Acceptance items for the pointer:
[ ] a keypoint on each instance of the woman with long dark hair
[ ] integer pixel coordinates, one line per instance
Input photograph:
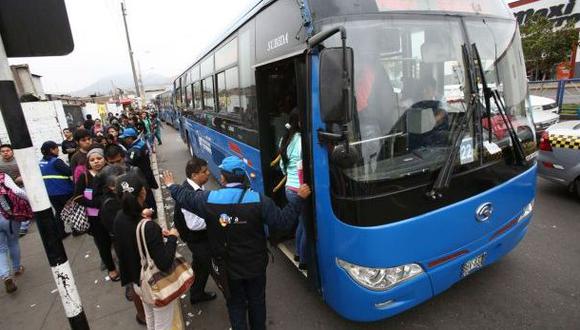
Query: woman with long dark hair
(111, 205)
(90, 188)
(131, 189)
(291, 165)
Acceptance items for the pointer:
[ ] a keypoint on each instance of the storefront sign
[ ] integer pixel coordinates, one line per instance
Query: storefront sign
(558, 11)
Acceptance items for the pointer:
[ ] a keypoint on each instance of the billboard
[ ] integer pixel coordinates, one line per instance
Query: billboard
(558, 11)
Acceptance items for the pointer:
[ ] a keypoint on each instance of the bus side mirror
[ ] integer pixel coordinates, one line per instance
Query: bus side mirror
(336, 85)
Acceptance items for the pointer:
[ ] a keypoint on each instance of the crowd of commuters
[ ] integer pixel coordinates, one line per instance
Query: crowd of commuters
(75, 176)
(109, 173)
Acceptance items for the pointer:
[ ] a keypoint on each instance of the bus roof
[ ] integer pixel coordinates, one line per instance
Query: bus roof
(322, 9)
(252, 10)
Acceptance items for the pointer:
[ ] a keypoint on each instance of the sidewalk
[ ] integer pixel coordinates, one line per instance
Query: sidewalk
(36, 304)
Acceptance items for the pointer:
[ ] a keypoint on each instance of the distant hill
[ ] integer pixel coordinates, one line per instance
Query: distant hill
(124, 81)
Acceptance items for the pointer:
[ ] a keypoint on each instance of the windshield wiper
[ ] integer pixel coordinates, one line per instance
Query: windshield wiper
(488, 94)
(444, 176)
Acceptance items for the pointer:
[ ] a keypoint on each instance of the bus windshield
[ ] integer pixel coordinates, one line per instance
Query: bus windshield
(411, 93)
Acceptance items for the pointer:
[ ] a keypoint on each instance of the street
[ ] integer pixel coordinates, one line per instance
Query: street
(535, 286)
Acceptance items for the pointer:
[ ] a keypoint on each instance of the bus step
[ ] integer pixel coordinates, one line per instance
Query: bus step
(287, 248)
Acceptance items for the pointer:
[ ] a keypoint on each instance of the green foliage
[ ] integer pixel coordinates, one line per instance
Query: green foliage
(544, 46)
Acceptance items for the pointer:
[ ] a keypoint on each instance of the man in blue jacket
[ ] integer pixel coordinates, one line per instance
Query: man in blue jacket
(57, 179)
(235, 217)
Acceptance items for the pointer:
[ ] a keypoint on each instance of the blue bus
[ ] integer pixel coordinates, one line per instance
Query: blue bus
(415, 136)
(167, 112)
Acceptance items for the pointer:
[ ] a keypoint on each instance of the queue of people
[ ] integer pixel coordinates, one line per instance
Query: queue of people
(63, 182)
(224, 228)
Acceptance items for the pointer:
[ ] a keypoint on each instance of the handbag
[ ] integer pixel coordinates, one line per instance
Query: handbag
(161, 288)
(75, 216)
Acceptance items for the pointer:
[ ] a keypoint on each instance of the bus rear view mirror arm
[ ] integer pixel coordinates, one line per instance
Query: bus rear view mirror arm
(336, 72)
(319, 38)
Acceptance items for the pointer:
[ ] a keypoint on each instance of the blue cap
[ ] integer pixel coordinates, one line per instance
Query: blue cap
(128, 132)
(232, 163)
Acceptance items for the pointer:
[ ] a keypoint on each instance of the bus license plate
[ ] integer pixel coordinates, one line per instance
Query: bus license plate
(473, 265)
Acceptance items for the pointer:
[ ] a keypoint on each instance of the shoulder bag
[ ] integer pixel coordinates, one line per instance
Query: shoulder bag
(75, 215)
(161, 288)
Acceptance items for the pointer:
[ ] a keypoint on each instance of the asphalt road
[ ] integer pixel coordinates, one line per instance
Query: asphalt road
(536, 286)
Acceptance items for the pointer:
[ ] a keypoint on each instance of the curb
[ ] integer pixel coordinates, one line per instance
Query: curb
(161, 216)
(162, 220)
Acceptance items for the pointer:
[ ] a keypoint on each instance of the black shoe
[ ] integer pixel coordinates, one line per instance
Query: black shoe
(140, 321)
(10, 285)
(207, 296)
(129, 292)
(302, 266)
(296, 258)
(23, 232)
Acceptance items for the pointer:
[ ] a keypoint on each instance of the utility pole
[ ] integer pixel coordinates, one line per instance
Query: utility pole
(140, 79)
(135, 80)
(37, 196)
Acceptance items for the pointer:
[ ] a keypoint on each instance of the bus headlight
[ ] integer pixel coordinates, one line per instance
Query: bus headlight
(380, 279)
(526, 211)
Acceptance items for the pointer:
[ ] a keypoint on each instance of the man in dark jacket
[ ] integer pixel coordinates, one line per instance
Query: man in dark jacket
(235, 217)
(78, 161)
(138, 155)
(89, 123)
(69, 145)
(192, 230)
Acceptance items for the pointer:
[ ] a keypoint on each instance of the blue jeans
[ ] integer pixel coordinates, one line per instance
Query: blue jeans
(301, 250)
(9, 244)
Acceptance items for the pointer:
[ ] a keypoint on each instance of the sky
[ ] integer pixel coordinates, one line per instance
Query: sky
(166, 36)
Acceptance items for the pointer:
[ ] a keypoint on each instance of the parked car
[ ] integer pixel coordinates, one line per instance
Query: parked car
(559, 155)
(544, 113)
(540, 103)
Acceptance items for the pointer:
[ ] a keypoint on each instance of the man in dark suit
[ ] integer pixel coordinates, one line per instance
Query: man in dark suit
(192, 230)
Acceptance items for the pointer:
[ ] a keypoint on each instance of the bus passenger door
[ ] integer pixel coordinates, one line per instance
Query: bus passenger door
(281, 87)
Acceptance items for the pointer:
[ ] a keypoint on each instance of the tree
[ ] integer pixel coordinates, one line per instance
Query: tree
(544, 46)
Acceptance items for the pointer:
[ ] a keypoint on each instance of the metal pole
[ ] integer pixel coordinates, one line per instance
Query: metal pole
(135, 80)
(141, 88)
(36, 191)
